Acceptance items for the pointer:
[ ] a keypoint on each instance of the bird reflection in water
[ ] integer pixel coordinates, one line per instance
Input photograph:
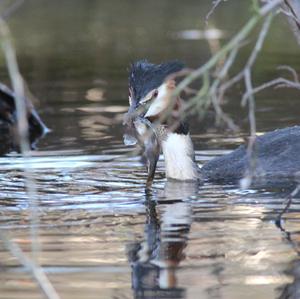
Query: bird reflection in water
(156, 259)
(291, 290)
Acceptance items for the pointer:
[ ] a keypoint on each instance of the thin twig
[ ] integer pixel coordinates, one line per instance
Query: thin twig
(11, 9)
(278, 83)
(233, 43)
(291, 70)
(292, 10)
(230, 49)
(22, 125)
(215, 4)
(289, 201)
(213, 92)
(34, 269)
(258, 46)
(247, 180)
(210, 96)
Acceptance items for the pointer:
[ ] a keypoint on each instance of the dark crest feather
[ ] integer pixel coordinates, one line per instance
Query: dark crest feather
(145, 76)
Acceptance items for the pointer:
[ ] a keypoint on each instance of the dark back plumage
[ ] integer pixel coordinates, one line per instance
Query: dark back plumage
(8, 120)
(145, 76)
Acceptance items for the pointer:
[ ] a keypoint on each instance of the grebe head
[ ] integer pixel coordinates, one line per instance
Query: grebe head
(151, 87)
(151, 92)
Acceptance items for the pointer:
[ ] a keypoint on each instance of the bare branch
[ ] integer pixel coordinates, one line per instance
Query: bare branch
(36, 271)
(22, 126)
(269, 7)
(291, 8)
(278, 83)
(291, 70)
(256, 50)
(289, 201)
(223, 116)
(11, 9)
(234, 42)
(215, 4)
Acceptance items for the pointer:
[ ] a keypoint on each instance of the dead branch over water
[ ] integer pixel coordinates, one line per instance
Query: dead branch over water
(215, 86)
(211, 93)
(22, 125)
(291, 8)
(215, 4)
(30, 265)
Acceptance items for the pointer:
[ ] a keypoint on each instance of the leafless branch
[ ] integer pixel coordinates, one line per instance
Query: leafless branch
(288, 202)
(291, 9)
(277, 83)
(215, 4)
(34, 269)
(11, 9)
(230, 50)
(291, 70)
(22, 124)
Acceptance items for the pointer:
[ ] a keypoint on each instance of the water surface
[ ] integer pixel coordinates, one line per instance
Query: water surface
(100, 234)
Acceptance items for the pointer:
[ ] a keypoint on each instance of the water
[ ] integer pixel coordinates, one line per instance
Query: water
(101, 234)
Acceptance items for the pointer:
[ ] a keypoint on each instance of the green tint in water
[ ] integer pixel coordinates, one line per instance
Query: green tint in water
(101, 235)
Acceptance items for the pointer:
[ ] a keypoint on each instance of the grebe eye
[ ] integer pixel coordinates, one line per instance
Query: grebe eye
(155, 94)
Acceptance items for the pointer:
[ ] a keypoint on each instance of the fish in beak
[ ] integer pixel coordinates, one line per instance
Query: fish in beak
(141, 131)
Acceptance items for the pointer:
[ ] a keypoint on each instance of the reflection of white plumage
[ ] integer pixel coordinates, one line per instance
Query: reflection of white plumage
(155, 260)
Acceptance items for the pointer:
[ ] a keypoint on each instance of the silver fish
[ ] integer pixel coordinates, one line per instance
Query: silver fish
(141, 131)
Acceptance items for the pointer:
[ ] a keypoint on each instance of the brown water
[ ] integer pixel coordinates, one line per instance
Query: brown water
(101, 235)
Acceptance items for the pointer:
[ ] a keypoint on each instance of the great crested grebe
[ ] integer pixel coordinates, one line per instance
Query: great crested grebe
(8, 119)
(150, 93)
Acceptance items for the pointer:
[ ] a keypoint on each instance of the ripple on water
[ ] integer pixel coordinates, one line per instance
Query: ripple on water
(97, 224)
(99, 229)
